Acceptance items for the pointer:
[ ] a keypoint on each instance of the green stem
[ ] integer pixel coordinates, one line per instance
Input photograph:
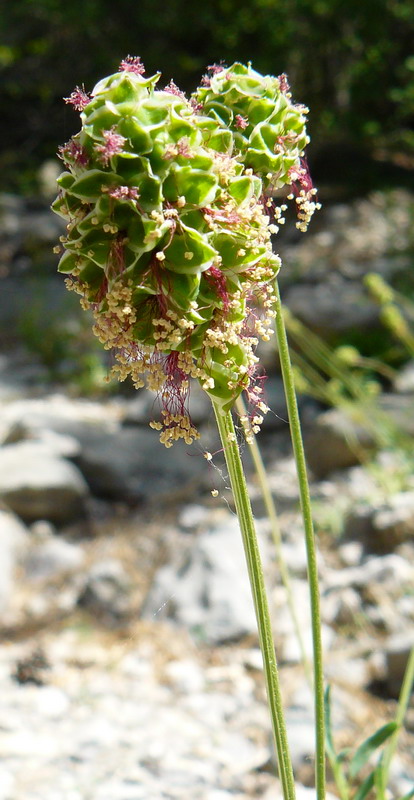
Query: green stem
(403, 700)
(277, 539)
(299, 453)
(254, 566)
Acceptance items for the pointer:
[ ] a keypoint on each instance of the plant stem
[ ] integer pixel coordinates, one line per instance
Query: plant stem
(277, 540)
(255, 570)
(403, 700)
(299, 453)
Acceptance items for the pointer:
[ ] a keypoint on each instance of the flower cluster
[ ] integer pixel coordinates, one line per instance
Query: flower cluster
(167, 202)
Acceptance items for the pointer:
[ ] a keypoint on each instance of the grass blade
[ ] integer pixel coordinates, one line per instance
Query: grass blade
(369, 746)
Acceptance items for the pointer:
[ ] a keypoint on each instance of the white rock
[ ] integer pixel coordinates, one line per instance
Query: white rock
(208, 589)
(13, 539)
(36, 484)
(49, 558)
(51, 702)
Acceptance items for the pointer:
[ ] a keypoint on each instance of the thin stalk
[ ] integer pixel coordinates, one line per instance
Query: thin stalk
(299, 453)
(403, 700)
(277, 539)
(255, 570)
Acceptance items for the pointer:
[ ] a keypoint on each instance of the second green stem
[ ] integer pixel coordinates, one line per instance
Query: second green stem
(254, 566)
(299, 453)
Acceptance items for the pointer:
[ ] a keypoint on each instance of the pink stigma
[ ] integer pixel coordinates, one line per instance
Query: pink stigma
(74, 151)
(114, 144)
(283, 83)
(300, 177)
(241, 122)
(79, 99)
(132, 64)
(216, 68)
(172, 88)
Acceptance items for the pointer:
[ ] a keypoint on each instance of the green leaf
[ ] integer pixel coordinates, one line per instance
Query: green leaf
(236, 251)
(182, 289)
(369, 746)
(65, 180)
(189, 252)
(365, 787)
(222, 141)
(241, 188)
(151, 115)
(329, 743)
(89, 185)
(138, 138)
(199, 188)
(68, 262)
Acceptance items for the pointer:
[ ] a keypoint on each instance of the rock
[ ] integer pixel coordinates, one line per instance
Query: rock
(192, 517)
(119, 463)
(382, 529)
(131, 464)
(36, 484)
(397, 652)
(351, 553)
(186, 676)
(404, 382)
(207, 589)
(284, 628)
(356, 672)
(334, 442)
(391, 572)
(107, 591)
(13, 538)
(52, 557)
(341, 608)
(317, 306)
(52, 702)
(370, 234)
(399, 408)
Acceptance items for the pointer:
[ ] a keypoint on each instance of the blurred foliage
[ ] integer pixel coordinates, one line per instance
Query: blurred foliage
(63, 342)
(352, 63)
(346, 378)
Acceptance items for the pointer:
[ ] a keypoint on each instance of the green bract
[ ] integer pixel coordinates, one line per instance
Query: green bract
(269, 130)
(168, 237)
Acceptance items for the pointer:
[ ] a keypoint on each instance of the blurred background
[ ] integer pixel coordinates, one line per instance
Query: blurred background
(130, 660)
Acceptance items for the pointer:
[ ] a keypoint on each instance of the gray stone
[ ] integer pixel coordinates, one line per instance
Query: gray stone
(399, 408)
(131, 464)
(391, 572)
(107, 591)
(341, 608)
(119, 463)
(333, 306)
(397, 653)
(404, 382)
(51, 558)
(193, 517)
(208, 589)
(36, 484)
(351, 553)
(284, 627)
(13, 538)
(335, 442)
(382, 529)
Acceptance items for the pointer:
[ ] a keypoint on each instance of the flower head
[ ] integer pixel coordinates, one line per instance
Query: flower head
(169, 228)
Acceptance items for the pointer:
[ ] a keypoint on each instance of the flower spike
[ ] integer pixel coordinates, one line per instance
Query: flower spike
(169, 223)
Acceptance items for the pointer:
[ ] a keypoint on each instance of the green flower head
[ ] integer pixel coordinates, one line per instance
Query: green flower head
(169, 212)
